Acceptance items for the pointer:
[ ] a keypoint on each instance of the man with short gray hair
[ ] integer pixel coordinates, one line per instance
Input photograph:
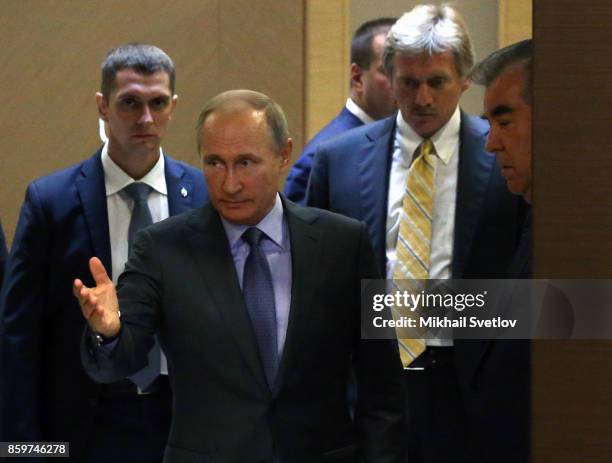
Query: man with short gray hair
(462, 224)
(506, 75)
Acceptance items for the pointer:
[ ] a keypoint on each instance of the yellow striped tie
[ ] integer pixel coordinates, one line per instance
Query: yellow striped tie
(414, 241)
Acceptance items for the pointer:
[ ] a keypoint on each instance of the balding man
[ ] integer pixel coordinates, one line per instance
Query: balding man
(259, 346)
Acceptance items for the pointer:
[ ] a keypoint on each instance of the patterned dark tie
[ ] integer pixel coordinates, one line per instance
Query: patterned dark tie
(141, 217)
(258, 292)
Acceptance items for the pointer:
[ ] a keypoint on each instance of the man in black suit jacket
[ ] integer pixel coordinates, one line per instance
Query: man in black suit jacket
(506, 74)
(428, 55)
(66, 217)
(237, 399)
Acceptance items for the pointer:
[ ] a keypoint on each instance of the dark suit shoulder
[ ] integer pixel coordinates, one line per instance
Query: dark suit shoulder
(188, 168)
(181, 221)
(341, 123)
(474, 126)
(55, 183)
(322, 217)
(359, 135)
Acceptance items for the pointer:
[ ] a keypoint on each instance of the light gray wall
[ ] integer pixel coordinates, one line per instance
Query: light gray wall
(480, 15)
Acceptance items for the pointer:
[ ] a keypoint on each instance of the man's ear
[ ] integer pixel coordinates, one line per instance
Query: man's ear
(286, 154)
(356, 77)
(465, 84)
(173, 104)
(102, 105)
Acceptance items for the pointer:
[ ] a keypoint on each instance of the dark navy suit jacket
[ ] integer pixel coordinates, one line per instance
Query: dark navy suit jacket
(297, 180)
(46, 395)
(350, 175)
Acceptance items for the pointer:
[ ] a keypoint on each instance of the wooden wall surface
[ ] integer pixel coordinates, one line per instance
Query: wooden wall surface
(572, 388)
(50, 58)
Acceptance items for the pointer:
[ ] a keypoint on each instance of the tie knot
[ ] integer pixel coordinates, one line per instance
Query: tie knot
(253, 236)
(138, 191)
(426, 148)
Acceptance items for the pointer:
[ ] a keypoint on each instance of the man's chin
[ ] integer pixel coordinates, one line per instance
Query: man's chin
(145, 146)
(425, 127)
(235, 213)
(517, 188)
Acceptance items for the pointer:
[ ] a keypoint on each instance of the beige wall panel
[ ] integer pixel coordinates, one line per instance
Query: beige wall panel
(327, 61)
(515, 18)
(481, 17)
(51, 53)
(261, 48)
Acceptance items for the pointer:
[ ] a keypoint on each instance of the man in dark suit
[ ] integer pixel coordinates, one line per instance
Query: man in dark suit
(506, 74)
(259, 346)
(472, 227)
(3, 253)
(66, 217)
(370, 99)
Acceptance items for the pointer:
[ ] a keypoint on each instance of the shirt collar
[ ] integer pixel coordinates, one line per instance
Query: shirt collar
(115, 179)
(444, 140)
(357, 111)
(271, 225)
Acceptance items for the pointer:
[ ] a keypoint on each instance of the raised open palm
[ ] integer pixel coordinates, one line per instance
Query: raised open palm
(99, 304)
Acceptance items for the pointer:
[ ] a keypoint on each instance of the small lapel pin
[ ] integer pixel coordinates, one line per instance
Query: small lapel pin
(183, 192)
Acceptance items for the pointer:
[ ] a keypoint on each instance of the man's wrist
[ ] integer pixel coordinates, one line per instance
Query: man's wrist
(98, 339)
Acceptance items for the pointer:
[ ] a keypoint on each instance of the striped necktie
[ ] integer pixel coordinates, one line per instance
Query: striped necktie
(414, 241)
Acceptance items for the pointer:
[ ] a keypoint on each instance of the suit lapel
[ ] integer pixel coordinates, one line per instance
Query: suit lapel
(473, 177)
(305, 250)
(92, 193)
(374, 171)
(180, 187)
(210, 248)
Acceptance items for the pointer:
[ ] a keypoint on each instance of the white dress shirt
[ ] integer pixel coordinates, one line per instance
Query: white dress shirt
(357, 111)
(446, 142)
(120, 206)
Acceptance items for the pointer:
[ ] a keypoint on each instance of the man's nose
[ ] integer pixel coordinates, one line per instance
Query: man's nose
(493, 144)
(423, 95)
(146, 117)
(231, 182)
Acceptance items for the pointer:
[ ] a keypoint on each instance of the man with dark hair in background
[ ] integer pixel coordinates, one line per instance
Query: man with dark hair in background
(370, 99)
(93, 207)
(506, 74)
(437, 208)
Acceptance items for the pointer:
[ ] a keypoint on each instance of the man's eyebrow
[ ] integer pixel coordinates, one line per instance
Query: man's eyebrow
(501, 110)
(247, 155)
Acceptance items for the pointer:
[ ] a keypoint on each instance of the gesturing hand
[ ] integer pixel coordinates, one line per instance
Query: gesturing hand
(99, 305)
